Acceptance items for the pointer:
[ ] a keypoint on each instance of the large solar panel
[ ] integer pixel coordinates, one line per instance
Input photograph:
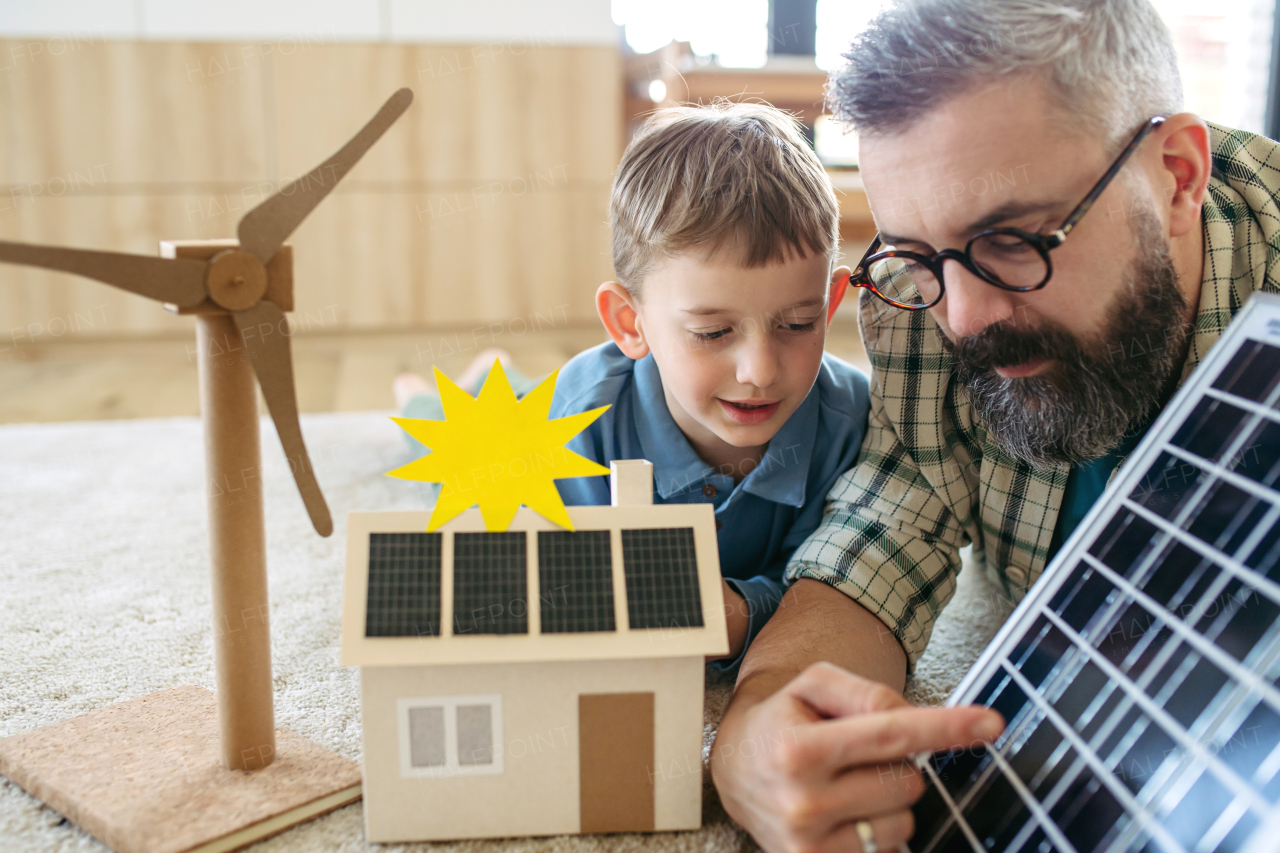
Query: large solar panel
(1140, 676)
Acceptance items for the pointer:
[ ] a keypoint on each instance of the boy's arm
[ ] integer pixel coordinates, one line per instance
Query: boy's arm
(737, 617)
(748, 604)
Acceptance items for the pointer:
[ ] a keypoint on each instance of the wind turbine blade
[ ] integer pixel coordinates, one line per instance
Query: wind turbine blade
(265, 228)
(176, 280)
(265, 336)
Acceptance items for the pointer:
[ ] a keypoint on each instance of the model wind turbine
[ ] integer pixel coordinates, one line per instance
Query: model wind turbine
(238, 292)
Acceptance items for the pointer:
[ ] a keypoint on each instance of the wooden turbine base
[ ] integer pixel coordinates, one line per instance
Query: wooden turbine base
(145, 776)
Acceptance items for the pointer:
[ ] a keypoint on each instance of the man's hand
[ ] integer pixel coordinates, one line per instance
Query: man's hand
(829, 749)
(807, 748)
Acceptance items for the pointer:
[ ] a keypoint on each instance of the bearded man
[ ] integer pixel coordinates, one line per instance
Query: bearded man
(1059, 247)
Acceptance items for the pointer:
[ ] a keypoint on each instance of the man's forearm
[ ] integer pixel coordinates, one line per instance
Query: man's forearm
(816, 622)
(771, 760)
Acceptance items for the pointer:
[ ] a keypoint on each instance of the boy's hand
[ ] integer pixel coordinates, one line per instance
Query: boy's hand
(737, 617)
(800, 768)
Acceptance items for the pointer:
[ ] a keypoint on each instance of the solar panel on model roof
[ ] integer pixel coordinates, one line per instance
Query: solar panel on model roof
(489, 573)
(404, 585)
(1139, 678)
(575, 580)
(489, 583)
(661, 568)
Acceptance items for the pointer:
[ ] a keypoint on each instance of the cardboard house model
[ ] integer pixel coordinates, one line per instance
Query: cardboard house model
(537, 680)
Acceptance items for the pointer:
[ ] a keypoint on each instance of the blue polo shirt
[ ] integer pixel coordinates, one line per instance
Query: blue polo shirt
(760, 520)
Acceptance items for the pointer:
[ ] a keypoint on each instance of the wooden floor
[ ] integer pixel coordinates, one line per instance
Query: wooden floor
(112, 379)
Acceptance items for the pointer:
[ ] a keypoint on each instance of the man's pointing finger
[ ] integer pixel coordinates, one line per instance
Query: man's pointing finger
(889, 736)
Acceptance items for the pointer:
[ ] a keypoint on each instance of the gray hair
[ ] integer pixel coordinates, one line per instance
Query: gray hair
(1110, 63)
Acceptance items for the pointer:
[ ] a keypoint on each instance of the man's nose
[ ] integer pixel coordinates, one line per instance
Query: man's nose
(757, 361)
(971, 304)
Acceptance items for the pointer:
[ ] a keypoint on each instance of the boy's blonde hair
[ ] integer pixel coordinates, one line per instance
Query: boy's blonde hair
(731, 176)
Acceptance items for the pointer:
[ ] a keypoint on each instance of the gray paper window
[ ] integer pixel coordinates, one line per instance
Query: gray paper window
(426, 737)
(475, 735)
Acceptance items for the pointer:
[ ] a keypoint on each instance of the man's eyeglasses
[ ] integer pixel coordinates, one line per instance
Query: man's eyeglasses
(1009, 258)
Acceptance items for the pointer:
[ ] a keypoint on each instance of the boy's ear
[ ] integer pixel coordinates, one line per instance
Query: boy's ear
(839, 286)
(617, 310)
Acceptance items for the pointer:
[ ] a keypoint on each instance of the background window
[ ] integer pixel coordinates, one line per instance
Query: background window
(450, 735)
(1224, 50)
(490, 583)
(1224, 46)
(404, 585)
(734, 32)
(575, 581)
(661, 568)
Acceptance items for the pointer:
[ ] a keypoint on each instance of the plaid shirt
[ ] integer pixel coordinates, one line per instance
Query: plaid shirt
(929, 481)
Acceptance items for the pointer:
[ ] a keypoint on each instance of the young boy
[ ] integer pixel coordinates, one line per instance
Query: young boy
(724, 236)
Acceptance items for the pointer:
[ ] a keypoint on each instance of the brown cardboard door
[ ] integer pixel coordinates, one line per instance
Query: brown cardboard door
(615, 761)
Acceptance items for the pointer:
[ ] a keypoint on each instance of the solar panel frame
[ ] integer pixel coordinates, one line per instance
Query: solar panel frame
(1169, 646)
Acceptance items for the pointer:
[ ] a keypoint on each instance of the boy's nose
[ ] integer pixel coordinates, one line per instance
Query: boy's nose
(758, 364)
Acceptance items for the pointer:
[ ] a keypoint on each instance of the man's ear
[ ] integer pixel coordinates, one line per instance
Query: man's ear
(835, 293)
(617, 310)
(1188, 164)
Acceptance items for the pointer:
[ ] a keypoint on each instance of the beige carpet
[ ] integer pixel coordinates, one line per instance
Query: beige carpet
(104, 597)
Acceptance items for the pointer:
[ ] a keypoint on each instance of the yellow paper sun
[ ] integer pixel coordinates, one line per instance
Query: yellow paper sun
(497, 451)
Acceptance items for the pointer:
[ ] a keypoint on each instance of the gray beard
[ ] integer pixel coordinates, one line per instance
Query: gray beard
(1098, 390)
